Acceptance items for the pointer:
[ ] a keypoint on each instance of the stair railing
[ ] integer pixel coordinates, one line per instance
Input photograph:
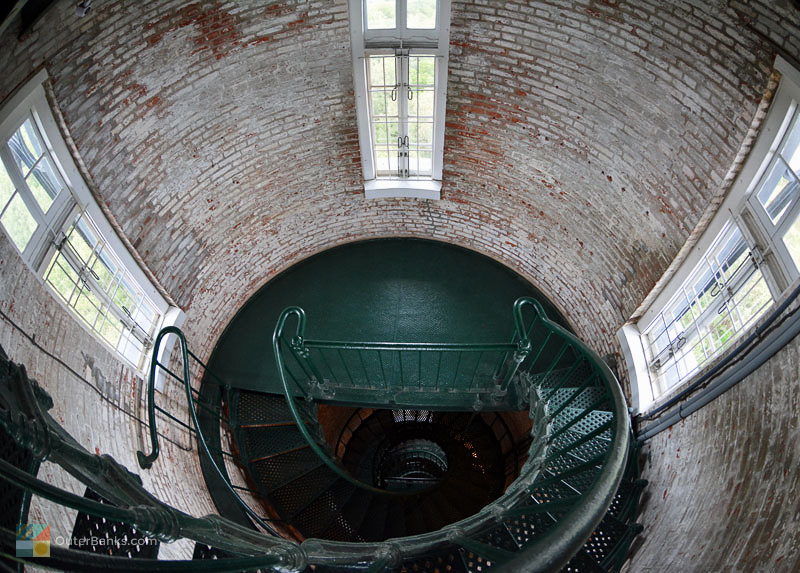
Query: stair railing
(561, 380)
(192, 400)
(575, 463)
(24, 416)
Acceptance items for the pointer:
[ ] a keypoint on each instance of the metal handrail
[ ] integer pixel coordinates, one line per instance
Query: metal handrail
(297, 344)
(146, 461)
(553, 550)
(582, 512)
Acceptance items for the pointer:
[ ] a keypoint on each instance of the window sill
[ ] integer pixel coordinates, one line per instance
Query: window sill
(393, 188)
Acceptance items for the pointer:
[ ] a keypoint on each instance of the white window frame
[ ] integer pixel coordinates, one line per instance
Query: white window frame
(740, 207)
(74, 199)
(434, 42)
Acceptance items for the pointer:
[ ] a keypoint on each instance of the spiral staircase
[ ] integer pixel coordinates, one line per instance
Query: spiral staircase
(426, 474)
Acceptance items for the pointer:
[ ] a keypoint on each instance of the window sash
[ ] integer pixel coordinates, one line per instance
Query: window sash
(699, 323)
(36, 248)
(401, 32)
(397, 147)
(48, 163)
(778, 166)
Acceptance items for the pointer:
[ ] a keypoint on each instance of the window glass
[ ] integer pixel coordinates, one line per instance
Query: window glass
(44, 183)
(381, 14)
(722, 297)
(792, 241)
(401, 95)
(26, 146)
(421, 74)
(39, 210)
(421, 14)
(90, 279)
(18, 222)
(6, 188)
(384, 93)
(791, 146)
(777, 190)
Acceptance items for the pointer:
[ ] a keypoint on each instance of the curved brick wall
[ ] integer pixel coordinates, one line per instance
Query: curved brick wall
(584, 142)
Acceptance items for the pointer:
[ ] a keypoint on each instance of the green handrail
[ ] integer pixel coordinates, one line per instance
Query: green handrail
(297, 345)
(146, 461)
(552, 440)
(570, 533)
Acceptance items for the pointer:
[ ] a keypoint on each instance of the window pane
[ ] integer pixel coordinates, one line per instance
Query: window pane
(751, 300)
(724, 294)
(146, 317)
(82, 239)
(423, 104)
(421, 70)
(421, 14)
(62, 277)
(44, 183)
(18, 222)
(381, 14)
(111, 330)
(6, 187)
(26, 146)
(124, 297)
(777, 190)
(792, 241)
(105, 271)
(133, 350)
(791, 145)
(88, 307)
(382, 71)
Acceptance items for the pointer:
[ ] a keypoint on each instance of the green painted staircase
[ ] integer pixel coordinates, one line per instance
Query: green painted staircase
(310, 497)
(572, 505)
(315, 502)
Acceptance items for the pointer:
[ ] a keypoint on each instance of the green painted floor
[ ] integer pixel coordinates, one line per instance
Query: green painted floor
(391, 290)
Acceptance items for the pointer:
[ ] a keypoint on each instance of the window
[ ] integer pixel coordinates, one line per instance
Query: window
(748, 257)
(775, 202)
(724, 294)
(400, 52)
(50, 216)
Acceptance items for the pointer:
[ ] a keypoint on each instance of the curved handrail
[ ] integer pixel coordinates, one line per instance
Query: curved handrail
(553, 550)
(546, 553)
(297, 346)
(145, 461)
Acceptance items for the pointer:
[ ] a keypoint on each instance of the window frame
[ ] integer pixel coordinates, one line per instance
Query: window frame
(740, 207)
(433, 42)
(75, 199)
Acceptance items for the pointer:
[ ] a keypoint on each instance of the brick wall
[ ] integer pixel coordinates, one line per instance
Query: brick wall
(724, 482)
(584, 139)
(96, 397)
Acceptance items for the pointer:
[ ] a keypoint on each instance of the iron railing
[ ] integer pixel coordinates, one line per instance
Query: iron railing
(577, 456)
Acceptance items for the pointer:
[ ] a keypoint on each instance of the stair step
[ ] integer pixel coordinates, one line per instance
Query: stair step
(587, 397)
(583, 562)
(276, 471)
(604, 538)
(259, 408)
(293, 497)
(262, 442)
(340, 529)
(355, 508)
(325, 510)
